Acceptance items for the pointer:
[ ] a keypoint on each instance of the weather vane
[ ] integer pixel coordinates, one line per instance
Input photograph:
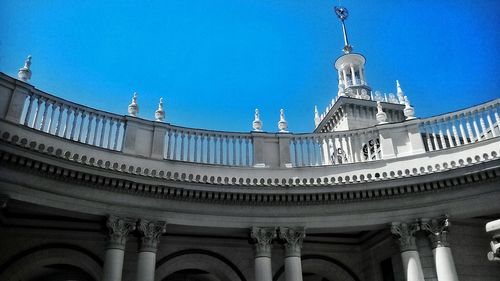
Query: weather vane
(342, 13)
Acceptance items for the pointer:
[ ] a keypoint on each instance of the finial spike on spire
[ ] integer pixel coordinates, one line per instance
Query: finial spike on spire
(381, 115)
(409, 111)
(160, 113)
(24, 73)
(400, 93)
(342, 14)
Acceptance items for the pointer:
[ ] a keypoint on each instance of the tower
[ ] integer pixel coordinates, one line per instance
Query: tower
(354, 107)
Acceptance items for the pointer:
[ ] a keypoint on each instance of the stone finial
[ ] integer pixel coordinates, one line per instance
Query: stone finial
(282, 124)
(133, 108)
(257, 124)
(293, 238)
(263, 236)
(24, 73)
(381, 116)
(409, 111)
(151, 232)
(400, 93)
(160, 113)
(317, 119)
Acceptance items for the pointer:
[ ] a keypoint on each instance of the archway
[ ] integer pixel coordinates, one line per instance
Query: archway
(197, 263)
(318, 267)
(52, 262)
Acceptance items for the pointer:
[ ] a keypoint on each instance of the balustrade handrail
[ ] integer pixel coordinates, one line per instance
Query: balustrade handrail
(198, 131)
(462, 112)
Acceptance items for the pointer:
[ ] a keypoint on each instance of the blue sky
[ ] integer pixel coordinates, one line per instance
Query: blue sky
(215, 61)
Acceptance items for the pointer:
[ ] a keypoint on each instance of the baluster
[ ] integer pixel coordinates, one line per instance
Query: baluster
(351, 148)
(174, 157)
(117, 134)
(35, 115)
(89, 127)
(490, 123)
(334, 156)
(53, 108)
(247, 144)
(59, 119)
(441, 137)
(434, 137)
(454, 131)
(69, 112)
(476, 128)
(96, 129)
(82, 123)
(428, 137)
(446, 123)
(189, 136)
(169, 143)
(305, 155)
(195, 148)
(226, 140)
(368, 147)
(182, 136)
(103, 131)
(31, 99)
(44, 116)
(240, 158)
(110, 132)
(483, 126)
(497, 118)
(233, 162)
(461, 128)
(321, 143)
(314, 145)
(209, 156)
(469, 128)
(202, 148)
(295, 141)
(75, 120)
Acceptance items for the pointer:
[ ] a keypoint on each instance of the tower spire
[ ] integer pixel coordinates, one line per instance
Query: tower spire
(342, 14)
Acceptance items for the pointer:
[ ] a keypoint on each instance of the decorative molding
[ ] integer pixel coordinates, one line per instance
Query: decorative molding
(119, 229)
(405, 234)
(151, 232)
(263, 237)
(293, 238)
(437, 231)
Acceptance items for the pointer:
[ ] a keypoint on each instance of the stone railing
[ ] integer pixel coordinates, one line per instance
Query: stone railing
(37, 110)
(462, 127)
(44, 112)
(210, 147)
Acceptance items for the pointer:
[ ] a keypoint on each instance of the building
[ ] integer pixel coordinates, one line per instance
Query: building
(374, 193)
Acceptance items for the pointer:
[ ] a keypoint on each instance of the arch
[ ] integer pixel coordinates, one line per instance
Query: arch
(204, 259)
(25, 264)
(330, 268)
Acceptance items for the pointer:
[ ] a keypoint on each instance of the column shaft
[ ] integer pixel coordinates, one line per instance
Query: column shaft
(412, 266)
(146, 266)
(113, 265)
(445, 267)
(263, 271)
(293, 269)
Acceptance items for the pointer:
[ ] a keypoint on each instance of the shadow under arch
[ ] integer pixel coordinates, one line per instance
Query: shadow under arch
(217, 256)
(344, 267)
(35, 252)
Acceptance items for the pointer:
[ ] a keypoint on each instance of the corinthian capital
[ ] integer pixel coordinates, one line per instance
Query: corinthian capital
(405, 233)
(437, 230)
(151, 232)
(263, 237)
(118, 230)
(293, 237)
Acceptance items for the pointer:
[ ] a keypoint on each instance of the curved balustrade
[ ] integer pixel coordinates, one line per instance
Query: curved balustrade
(209, 147)
(466, 126)
(72, 121)
(335, 148)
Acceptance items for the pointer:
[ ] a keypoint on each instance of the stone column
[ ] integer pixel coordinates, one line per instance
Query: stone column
(405, 233)
(438, 233)
(115, 249)
(263, 237)
(293, 238)
(353, 75)
(151, 232)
